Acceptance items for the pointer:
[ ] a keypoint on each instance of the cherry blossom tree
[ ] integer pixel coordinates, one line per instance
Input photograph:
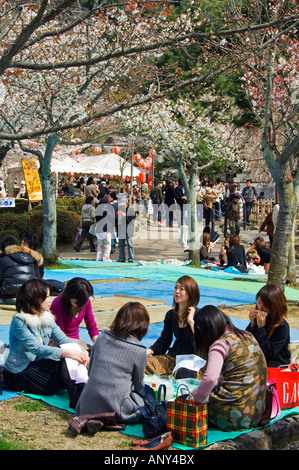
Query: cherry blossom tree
(187, 139)
(271, 81)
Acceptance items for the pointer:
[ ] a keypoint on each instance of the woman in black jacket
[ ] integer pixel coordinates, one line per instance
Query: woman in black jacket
(236, 254)
(178, 325)
(264, 253)
(269, 326)
(18, 264)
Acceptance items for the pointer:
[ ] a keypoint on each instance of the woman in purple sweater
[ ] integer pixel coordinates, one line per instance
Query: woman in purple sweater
(72, 307)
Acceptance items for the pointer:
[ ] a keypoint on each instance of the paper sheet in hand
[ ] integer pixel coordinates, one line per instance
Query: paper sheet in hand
(77, 371)
(189, 361)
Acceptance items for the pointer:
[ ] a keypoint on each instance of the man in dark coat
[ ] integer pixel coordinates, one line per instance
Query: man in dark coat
(18, 264)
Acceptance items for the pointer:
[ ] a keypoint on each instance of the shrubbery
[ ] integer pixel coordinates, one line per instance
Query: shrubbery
(14, 221)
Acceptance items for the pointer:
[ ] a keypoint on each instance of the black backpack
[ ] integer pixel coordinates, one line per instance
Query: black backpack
(154, 195)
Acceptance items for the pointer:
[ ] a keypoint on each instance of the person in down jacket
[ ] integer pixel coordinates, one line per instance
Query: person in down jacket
(18, 264)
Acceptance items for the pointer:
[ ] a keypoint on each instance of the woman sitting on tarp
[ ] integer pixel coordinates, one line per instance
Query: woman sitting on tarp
(73, 307)
(116, 367)
(269, 326)
(264, 253)
(236, 254)
(234, 383)
(206, 249)
(162, 354)
(32, 365)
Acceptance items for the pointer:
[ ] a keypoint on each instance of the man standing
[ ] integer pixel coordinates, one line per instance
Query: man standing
(233, 214)
(157, 200)
(249, 196)
(125, 219)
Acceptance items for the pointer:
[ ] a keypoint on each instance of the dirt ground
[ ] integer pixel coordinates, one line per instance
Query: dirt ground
(38, 426)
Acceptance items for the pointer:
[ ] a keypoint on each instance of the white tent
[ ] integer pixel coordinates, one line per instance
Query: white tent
(107, 164)
(65, 165)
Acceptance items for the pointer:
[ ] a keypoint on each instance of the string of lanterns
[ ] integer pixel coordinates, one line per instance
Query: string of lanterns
(144, 164)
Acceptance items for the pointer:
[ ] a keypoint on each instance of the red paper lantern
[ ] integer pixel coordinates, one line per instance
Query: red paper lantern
(97, 150)
(141, 177)
(116, 149)
(77, 152)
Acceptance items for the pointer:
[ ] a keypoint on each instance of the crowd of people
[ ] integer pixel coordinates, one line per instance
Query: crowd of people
(165, 201)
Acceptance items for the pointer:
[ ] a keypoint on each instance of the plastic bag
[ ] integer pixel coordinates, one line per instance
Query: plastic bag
(78, 234)
(184, 234)
(4, 350)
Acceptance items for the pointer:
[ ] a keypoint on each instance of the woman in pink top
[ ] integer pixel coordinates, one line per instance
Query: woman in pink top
(234, 384)
(72, 307)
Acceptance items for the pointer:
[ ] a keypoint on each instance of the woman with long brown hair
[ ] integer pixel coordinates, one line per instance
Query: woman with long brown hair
(177, 324)
(234, 382)
(269, 326)
(236, 254)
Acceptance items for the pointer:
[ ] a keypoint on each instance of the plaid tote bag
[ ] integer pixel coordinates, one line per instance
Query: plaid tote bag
(188, 421)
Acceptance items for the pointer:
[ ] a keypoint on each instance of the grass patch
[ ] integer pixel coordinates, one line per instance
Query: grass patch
(30, 406)
(9, 445)
(59, 265)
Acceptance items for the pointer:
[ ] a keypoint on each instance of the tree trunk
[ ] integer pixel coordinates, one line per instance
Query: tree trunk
(279, 164)
(282, 240)
(291, 267)
(49, 203)
(194, 234)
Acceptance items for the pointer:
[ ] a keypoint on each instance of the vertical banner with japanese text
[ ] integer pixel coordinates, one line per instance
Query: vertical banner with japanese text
(31, 175)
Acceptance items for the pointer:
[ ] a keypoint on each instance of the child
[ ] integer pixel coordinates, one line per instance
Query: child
(269, 326)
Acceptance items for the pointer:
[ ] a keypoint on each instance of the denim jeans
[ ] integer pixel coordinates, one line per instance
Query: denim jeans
(157, 212)
(121, 247)
(246, 210)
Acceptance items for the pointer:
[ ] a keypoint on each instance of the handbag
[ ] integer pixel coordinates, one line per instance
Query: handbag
(272, 405)
(78, 234)
(287, 381)
(92, 229)
(153, 412)
(187, 420)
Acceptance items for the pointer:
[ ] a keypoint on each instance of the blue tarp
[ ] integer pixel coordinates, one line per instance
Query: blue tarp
(163, 290)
